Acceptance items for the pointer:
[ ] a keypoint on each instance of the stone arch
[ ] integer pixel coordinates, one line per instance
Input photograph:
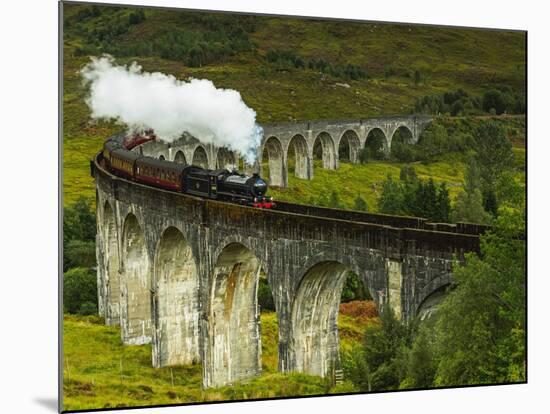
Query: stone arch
(200, 157)
(349, 146)
(404, 132)
(315, 319)
(161, 157)
(233, 318)
(298, 151)
(179, 158)
(429, 305)
(112, 266)
(377, 143)
(327, 150)
(433, 286)
(275, 159)
(401, 143)
(176, 302)
(225, 159)
(136, 285)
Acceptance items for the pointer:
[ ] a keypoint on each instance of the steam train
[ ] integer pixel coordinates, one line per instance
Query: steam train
(218, 184)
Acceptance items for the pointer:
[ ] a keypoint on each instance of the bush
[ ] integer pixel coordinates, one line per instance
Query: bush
(79, 230)
(334, 201)
(421, 362)
(503, 100)
(375, 144)
(265, 298)
(353, 289)
(434, 141)
(417, 77)
(79, 222)
(284, 59)
(402, 152)
(80, 291)
(493, 101)
(78, 253)
(363, 156)
(407, 173)
(360, 204)
(136, 17)
(391, 199)
(416, 197)
(455, 103)
(383, 353)
(494, 154)
(88, 308)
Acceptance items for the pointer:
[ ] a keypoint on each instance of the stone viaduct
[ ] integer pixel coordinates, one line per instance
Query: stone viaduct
(182, 273)
(296, 139)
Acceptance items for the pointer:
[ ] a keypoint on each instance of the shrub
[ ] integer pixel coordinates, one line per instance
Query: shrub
(417, 77)
(265, 298)
(79, 221)
(421, 364)
(360, 204)
(417, 197)
(79, 230)
(455, 103)
(353, 289)
(402, 151)
(493, 100)
(375, 144)
(334, 201)
(363, 155)
(79, 291)
(407, 173)
(88, 308)
(136, 17)
(78, 253)
(284, 59)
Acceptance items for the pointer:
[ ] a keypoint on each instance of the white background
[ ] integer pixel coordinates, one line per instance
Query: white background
(28, 203)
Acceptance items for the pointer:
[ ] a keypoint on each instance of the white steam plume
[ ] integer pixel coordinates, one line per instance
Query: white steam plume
(170, 106)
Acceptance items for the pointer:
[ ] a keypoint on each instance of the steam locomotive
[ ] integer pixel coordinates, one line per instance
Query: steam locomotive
(218, 184)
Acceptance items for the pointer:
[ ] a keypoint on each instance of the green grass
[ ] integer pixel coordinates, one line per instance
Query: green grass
(366, 180)
(100, 372)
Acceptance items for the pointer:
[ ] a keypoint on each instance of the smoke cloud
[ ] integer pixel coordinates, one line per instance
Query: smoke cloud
(170, 106)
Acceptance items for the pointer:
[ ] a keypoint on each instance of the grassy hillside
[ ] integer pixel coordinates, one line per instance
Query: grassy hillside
(99, 372)
(445, 58)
